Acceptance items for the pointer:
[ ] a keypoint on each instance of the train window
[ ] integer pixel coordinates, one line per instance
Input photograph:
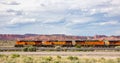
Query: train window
(79, 41)
(68, 41)
(113, 41)
(53, 41)
(92, 40)
(38, 41)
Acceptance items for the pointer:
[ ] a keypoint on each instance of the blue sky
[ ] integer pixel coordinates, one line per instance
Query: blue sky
(71, 17)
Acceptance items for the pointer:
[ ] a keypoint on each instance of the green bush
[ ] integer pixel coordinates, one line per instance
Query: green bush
(48, 58)
(29, 48)
(25, 49)
(44, 62)
(58, 48)
(2, 55)
(118, 60)
(78, 46)
(56, 62)
(72, 58)
(59, 57)
(28, 60)
(75, 58)
(15, 55)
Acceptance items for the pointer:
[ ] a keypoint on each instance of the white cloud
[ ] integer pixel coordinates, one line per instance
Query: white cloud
(107, 23)
(63, 5)
(115, 2)
(117, 32)
(79, 20)
(22, 20)
(114, 11)
(53, 5)
(9, 3)
(14, 12)
(111, 8)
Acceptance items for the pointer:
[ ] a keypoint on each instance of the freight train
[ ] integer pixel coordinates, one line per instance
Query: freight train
(69, 43)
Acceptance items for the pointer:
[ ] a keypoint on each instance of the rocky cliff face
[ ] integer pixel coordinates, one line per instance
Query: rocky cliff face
(10, 36)
(54, 37)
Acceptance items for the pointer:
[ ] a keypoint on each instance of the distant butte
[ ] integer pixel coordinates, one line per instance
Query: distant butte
(55, 37)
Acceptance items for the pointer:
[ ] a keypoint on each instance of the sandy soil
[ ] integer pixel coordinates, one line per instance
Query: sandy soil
(82, 54)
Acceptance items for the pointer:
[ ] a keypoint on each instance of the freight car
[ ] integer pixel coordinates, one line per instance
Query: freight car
(69, 43)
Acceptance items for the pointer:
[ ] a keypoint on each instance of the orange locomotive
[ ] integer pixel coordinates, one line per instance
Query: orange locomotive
(69, 43)
(56, 43)
(22, 43)
(93, 43)
(51, 43)
(114, 42)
